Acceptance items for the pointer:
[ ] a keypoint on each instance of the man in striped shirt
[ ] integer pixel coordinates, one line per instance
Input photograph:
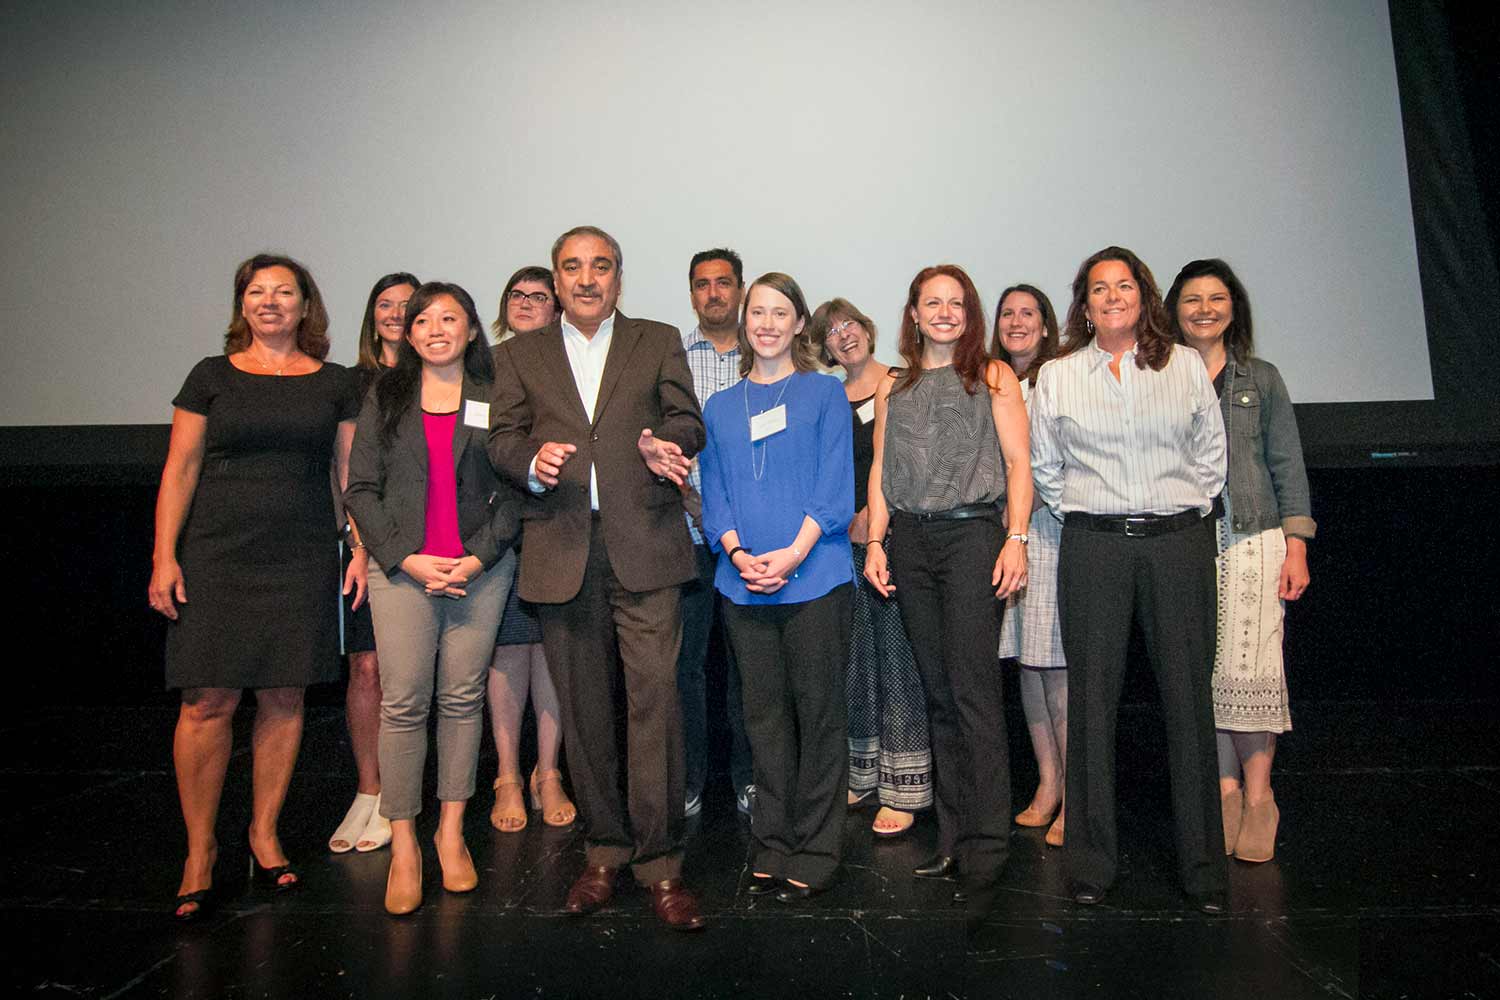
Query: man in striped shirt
(716, 281)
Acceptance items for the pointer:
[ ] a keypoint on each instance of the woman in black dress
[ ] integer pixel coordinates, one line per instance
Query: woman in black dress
(363, 828)
(890, 751)
(242, 566)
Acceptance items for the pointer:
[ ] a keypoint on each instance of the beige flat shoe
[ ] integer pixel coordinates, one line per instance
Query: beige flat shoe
(892, 822)
(1055, 832)
(1033, 817)
(555, 806)
(509, 814)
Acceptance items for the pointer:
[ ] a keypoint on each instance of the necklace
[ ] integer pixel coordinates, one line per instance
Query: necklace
(271, 368)
(753, 471)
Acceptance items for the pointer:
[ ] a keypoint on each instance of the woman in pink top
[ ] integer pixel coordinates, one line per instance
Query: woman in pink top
(437, 522)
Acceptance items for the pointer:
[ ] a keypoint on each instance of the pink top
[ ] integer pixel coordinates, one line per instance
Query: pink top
(441, 537)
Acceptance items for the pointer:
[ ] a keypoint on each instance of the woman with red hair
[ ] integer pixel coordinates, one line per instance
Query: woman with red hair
(951, 480)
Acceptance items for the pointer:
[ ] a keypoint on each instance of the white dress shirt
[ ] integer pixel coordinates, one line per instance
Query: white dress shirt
(586, 356)
(1149, 442)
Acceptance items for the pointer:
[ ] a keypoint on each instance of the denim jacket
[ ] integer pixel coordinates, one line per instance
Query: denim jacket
(1267, 481)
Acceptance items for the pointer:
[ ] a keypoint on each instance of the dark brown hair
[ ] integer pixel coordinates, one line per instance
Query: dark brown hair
(970, 360)
(312, 332)
(1238, 338)
(804, 356)
(501, 327)
(1153, 341)
(369, 338)
(1047, 349)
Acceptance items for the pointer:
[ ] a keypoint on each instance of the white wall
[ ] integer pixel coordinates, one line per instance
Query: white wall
(150, 147)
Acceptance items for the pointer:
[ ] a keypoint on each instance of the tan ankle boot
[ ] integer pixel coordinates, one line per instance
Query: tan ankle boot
(1257, 840)
(1231, 804)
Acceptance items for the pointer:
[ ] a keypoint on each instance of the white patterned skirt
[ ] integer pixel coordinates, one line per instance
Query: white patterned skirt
(1249, 683)
(1031, 631)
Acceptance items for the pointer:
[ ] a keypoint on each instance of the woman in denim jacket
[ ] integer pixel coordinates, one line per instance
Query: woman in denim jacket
(1262, 541)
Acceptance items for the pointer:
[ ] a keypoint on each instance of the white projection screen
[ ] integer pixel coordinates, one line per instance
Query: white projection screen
(149, 147)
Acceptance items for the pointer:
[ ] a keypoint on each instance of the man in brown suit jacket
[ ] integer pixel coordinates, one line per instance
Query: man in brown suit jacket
(596, 419)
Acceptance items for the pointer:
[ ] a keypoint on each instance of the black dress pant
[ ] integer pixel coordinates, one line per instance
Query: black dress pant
(942, 570)
(792, 659)
(1165, 582)
(603, 636)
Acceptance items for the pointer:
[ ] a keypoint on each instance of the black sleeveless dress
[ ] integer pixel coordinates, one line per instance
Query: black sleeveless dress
(257, 554)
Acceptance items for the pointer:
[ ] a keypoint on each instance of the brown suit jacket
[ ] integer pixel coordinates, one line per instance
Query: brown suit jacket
(646, 383)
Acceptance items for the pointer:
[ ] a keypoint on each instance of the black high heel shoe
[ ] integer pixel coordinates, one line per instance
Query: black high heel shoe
(272, 877)
(201, 901)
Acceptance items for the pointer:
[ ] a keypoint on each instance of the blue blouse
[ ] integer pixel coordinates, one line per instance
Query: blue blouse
(762, 490)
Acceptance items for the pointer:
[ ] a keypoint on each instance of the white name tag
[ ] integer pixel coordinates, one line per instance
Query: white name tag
(476, 414)
(866, 412)
(763, 425)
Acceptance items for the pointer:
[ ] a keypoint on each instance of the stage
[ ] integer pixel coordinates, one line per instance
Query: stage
(1383, 885)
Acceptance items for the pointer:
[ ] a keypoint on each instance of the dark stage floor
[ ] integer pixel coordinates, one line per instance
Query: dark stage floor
(1384, 885)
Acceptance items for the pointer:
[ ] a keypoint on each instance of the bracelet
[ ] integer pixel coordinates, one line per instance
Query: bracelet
(736, 551)
(356, 544)
(875, 541)
(796, 552)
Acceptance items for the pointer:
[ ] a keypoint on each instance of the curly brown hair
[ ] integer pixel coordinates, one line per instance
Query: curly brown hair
(1153, 337)
(312, 332)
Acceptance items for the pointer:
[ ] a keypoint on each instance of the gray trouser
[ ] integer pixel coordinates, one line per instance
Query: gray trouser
(415, 633)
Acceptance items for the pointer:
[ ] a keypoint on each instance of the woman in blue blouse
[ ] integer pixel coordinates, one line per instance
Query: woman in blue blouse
(778, 495)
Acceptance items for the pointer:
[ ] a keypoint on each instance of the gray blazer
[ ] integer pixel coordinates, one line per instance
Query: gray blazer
(387, 492)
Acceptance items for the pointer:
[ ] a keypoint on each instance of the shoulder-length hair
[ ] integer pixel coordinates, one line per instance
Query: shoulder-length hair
(1238, 338)
(970, 360)
(369, 338)
(1047, 349)
(312, 332)
(804, 355)
(1153, 340)
(501, 327)
(826, 317)
(399, 389)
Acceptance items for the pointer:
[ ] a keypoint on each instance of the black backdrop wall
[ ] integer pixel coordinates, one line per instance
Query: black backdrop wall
(1402, 604)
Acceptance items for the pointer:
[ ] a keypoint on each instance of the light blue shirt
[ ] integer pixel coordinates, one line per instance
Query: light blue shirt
(712, 372)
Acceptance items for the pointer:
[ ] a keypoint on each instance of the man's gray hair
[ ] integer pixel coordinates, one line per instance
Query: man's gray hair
(614, 244)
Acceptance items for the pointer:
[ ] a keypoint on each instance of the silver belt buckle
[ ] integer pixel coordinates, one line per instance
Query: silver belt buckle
(1130, 522)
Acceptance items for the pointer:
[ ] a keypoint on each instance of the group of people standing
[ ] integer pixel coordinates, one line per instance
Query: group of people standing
(570, 513)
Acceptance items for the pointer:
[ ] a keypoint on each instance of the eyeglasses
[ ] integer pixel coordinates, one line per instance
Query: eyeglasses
(535, 298)
(838, 328)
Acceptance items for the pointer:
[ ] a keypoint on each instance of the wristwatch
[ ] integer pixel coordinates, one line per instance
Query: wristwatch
(1022, 538)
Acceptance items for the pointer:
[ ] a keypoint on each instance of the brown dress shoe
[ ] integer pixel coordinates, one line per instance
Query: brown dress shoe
(676, 905)
(593, 889)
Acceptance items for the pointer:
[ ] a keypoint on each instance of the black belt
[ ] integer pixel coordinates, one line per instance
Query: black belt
(953, 513)
(1133, 525)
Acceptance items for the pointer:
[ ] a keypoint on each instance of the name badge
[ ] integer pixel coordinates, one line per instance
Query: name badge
(866, 412)
(763, 425)
(477, 414)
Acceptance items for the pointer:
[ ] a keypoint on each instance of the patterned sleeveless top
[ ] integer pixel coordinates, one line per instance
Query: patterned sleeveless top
(941, 449)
